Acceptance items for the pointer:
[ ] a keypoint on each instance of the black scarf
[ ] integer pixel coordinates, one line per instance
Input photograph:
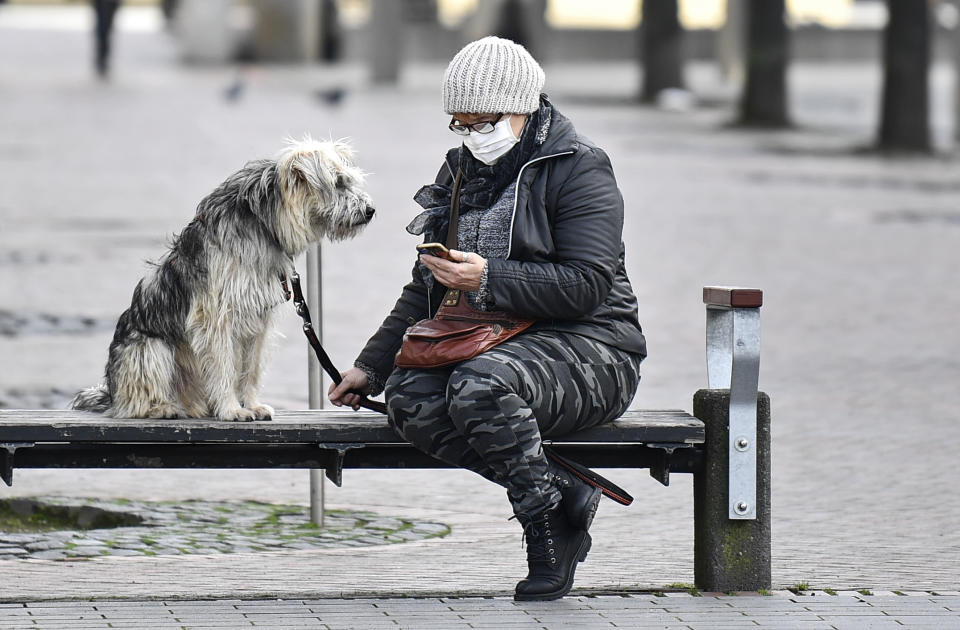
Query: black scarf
(482, 184)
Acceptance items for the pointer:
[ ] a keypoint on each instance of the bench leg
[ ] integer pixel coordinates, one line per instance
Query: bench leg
(729, 554)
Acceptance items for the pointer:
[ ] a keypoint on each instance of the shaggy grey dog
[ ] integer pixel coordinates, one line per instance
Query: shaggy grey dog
(192, 342)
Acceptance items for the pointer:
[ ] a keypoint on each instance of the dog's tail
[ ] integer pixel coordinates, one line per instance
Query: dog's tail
(96, 398)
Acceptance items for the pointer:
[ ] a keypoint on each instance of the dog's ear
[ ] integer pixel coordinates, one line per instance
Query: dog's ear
(298, 174)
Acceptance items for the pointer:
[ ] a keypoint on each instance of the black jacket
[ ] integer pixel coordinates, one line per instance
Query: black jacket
(565, 267)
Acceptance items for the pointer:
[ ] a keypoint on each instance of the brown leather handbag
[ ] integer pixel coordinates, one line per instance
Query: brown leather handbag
(458, 331)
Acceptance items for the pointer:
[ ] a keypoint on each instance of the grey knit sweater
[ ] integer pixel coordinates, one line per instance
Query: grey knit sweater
(487, 233)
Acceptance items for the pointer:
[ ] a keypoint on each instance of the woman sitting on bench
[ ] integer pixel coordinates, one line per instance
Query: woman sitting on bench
(538, 220)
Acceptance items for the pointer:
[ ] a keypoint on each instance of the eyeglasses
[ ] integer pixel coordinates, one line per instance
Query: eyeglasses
(485, 126)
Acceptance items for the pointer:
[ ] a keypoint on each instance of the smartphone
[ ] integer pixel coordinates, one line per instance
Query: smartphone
(434, 249)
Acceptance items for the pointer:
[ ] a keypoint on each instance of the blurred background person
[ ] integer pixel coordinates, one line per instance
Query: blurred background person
(105, 11)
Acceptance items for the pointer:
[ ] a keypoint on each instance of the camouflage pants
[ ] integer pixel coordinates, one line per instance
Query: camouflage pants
(488, 414)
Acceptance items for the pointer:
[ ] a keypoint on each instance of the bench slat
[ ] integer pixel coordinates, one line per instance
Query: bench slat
(302, 426)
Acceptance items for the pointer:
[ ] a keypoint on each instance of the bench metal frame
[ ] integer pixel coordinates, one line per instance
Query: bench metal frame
(733, 362)
(662, 441)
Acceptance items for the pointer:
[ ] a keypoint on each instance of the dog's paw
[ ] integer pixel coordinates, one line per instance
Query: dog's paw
(163, 411)
(263, 412)
(238, 414)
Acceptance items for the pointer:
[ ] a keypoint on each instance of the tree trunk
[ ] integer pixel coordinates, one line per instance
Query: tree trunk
(904, 123)
(764, 101)
(660, 40)
(523, 21)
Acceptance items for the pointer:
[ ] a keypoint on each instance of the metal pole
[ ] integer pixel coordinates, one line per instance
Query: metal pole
(314, 280)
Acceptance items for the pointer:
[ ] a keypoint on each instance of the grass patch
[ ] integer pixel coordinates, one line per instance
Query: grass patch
(799, 588)
(16, 520)
(27, 516)
(865, 591)
(829, 591)
(683, 586)
(18, 524)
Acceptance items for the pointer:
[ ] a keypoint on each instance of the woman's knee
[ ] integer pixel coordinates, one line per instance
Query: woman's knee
(415, 402)
(479, 382)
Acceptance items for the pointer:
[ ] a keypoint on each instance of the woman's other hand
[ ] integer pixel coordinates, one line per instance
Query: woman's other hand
(354, 380)
(462, 271)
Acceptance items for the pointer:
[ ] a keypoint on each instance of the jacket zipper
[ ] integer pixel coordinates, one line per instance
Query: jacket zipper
(516, 193)
(516, 190)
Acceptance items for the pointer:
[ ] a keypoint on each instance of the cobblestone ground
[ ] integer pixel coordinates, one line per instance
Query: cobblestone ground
(663, 611)
(202, 527)
(857, 254)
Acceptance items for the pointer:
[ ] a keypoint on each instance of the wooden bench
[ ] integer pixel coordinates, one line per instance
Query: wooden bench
(731, 515)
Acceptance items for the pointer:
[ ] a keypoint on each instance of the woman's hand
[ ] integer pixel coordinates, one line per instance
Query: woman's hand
(462, 271)
(354, 380)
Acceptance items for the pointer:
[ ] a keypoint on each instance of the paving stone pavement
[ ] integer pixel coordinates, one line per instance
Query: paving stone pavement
(857, 254)
(664, 611)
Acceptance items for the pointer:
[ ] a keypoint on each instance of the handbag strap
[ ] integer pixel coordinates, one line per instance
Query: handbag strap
(453, 226)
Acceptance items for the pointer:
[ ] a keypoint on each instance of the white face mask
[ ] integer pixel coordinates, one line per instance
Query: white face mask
(490, 147)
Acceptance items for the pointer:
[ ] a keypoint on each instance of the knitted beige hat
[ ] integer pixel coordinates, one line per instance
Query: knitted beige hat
(492, 76)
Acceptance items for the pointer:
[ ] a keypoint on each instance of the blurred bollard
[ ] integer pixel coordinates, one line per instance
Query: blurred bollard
(203, 27)
(286, 30)
(386, 40)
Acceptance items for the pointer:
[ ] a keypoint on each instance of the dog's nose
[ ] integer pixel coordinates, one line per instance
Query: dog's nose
(370, 212)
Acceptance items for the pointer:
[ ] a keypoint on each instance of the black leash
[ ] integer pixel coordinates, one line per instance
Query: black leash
(590, 477)
(311, 335)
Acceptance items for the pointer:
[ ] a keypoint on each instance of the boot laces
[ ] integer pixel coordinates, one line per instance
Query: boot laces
(560, 481)
(538, 539)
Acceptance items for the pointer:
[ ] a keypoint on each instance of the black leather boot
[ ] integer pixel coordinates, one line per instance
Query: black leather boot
(554, 547)
(580, 499)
